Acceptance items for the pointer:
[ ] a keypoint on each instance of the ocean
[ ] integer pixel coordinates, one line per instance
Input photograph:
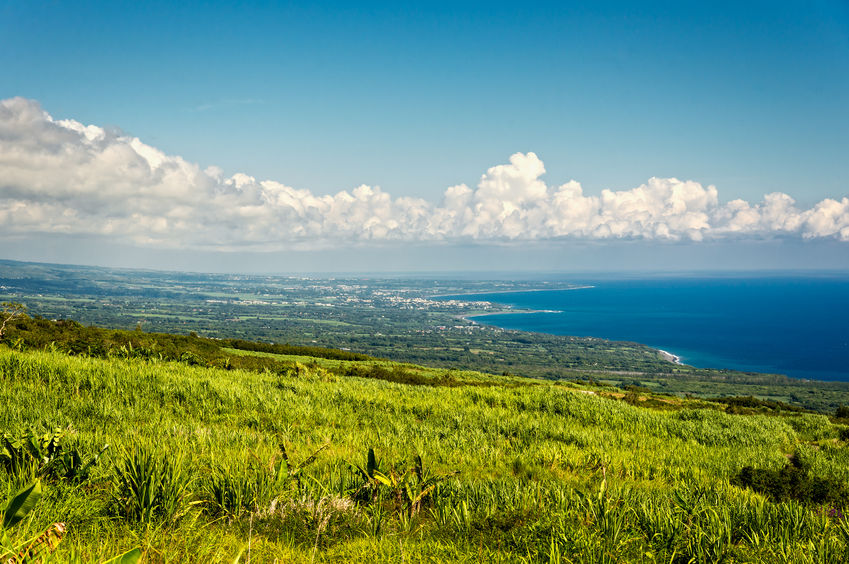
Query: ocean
(798, 326)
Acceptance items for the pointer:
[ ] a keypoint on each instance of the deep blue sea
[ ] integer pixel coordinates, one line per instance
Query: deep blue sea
(782, 325)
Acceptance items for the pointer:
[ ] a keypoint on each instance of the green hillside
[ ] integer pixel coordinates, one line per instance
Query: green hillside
(328, 458)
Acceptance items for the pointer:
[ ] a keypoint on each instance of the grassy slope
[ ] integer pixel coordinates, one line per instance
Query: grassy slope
(74, 338)
(544, 472)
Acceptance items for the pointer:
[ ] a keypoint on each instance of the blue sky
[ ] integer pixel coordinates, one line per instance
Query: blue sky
(750, 98)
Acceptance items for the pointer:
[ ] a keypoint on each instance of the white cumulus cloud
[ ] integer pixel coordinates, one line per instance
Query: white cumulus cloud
(61, 176)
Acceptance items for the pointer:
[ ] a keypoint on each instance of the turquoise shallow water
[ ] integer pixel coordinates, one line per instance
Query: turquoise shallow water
(797, 326)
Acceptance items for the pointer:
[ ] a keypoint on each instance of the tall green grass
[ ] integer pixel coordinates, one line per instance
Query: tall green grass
(205, 464)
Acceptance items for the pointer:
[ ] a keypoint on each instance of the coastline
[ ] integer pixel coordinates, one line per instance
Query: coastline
(752, 352)
(666, 355)
(673, 358)
(512, 291)
(468, 317)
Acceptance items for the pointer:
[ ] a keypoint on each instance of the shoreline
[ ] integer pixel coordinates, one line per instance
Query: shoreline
(666, 355)
(487, 314)
(673, 358)
(511, 291)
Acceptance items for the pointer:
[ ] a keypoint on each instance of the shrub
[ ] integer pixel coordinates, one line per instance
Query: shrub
(793, 482)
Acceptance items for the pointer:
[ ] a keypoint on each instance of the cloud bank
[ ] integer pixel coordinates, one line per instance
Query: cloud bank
(63, 177)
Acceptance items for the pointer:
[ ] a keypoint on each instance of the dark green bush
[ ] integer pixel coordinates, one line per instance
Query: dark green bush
(793, 482)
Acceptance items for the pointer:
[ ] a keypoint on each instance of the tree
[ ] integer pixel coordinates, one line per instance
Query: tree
(10, 311)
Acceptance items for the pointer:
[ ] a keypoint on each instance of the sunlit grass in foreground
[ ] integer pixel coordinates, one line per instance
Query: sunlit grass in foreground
(207, 464)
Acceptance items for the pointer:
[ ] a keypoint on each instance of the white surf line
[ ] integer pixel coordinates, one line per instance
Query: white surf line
(674, 358)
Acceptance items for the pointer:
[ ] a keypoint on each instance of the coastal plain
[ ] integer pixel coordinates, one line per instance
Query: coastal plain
(405, 319)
